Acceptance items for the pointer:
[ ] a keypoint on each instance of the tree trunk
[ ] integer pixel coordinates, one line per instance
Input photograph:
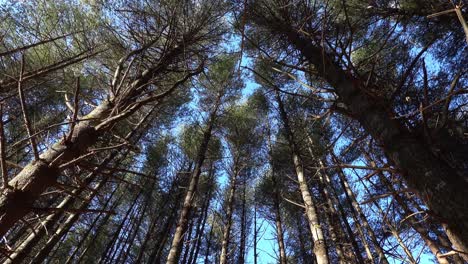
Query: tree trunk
(38, 175)
(331, 215)
(255, 233)
(118, 231)
(208, 243)
(173, 256)
(439, 185)
(99, 228)
(433, 245)
(230, 208)
(352, 199)
(344, 217)
(188, 240)
(62, 230)
(202, 222)
(137, 228)
(243, 225)
(320, 248)
(279, 228)
(305, 258)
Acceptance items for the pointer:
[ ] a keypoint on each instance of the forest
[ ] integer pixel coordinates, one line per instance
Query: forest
(234, 131)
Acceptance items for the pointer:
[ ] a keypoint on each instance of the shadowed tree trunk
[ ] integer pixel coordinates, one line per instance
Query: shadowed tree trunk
(243, 224)
(438, 184)
(229, 210)
(279, 227)
(174, 252)
(352, 199)
(352, 237)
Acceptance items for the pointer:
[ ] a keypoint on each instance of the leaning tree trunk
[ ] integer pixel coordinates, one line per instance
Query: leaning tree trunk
(331, 216)
(439, 185)
(38, 175)
(334, 197)
(433, 245)
(63, 229)
(353, 201)
(173, 256)
(320, 248)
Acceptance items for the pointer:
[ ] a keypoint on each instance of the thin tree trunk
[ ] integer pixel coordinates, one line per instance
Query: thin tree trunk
(331, 215)
(243, 225)
(96, 219)
(230, 207)
(208, 243)
(305, 258)
(279, 228)
(118, 231)
(202, 223)
(173, 256)
(432, 244)
(99, 228)
(320, 247)
(62, 230)
(137, 228)
(255, 233)
(350, 196)
(354, 243)
(188, 240)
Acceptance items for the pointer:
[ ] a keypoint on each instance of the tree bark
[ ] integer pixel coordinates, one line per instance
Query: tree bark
(173, 256)
(38, 175)
(352, 199)
(344, 217)
(433, 245)
(320, 248)
(230, 208)
(62, 230)
(279, 228)
(243, 224)
(439, 185)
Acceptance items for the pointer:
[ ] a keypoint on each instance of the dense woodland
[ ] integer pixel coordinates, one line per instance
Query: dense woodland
(199, 131)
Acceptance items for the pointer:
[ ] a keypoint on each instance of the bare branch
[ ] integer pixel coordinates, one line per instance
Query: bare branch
(25, 114)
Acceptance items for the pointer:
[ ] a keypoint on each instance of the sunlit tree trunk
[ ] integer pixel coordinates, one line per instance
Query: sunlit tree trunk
(320, 248)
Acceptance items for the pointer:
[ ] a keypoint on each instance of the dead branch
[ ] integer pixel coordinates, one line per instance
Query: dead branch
(25, 114)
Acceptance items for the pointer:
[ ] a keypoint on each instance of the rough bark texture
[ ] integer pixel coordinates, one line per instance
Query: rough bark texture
(38, 175)
(442, 187)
